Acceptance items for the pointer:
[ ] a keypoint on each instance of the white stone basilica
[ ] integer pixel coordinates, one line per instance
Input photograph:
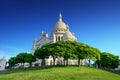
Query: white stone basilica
(59, 32)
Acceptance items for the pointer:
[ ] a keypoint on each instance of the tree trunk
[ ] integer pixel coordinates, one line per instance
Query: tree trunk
(30, 64)
(98, 64)
(53, 60)
(67, 62)
(89, 61)
(78, 61)
(64, 62)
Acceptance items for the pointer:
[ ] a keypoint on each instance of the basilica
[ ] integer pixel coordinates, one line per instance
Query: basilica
(59, 32)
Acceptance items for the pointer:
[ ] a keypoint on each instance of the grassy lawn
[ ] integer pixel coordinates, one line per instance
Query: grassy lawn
(59, 73)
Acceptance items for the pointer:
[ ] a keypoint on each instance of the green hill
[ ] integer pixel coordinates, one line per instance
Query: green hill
(59, 73)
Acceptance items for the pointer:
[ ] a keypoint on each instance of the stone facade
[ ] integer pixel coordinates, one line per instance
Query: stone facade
(2, 64)
(59, 32)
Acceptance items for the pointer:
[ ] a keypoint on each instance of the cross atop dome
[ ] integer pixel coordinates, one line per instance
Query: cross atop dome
(60, 17)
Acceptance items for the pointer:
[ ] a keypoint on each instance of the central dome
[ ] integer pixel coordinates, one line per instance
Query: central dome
(60, 26)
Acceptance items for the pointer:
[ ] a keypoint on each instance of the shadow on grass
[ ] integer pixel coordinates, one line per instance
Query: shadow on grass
(112, 71)
(9, 71)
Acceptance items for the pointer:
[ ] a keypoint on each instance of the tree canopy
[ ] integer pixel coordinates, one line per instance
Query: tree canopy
(21, 58)
(68, 50)
(109, 60)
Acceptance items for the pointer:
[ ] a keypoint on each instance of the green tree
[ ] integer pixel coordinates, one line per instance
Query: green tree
(21, 57)
(79, 51)
(53, 51)
(109, 60)
(60, 48)
(92, 54)
(66, 50)
(25, 57)
(119, 62)
(40, 53)
(12, 61)
(47, 50)
(84, 51)
(29, 58)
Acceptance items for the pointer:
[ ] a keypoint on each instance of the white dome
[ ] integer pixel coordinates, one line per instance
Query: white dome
(60, 26)
(69, 36)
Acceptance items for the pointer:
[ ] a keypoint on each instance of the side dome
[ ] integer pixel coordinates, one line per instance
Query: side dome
(69, 36)
(60, 26)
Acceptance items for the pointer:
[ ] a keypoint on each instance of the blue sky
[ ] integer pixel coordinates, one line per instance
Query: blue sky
(94, 22)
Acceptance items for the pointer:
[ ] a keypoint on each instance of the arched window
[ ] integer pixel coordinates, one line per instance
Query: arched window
(58, 38)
